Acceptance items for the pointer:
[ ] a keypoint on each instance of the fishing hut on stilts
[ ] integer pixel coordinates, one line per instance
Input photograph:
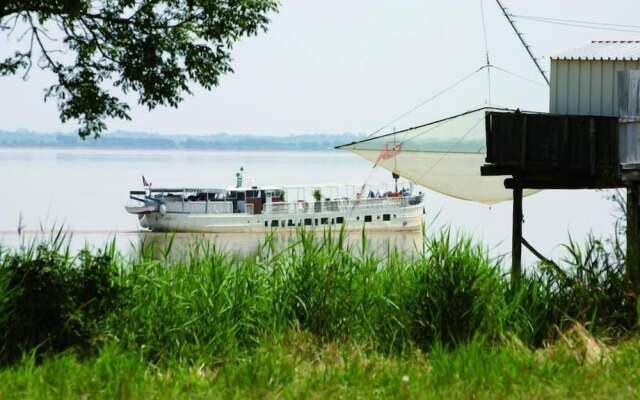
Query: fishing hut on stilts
(590, 139)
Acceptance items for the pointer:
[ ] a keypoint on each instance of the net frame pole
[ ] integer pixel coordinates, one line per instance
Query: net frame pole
(516, 238)
(524, 43)
(633, 235)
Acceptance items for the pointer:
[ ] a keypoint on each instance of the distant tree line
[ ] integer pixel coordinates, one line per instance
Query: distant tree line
(154, 141)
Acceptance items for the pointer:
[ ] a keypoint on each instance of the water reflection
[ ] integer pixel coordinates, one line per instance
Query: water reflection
(178, 245)
(246, 245)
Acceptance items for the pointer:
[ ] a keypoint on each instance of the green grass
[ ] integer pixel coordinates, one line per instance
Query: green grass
(318, 318)
(302, 368)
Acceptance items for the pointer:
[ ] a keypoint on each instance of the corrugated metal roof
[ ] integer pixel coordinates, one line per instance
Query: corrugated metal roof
(604, 50)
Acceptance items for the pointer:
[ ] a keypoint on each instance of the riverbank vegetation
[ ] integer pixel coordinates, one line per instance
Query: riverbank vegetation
(319, 316)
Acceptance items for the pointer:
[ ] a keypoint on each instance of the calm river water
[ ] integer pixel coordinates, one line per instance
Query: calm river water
(86, 190)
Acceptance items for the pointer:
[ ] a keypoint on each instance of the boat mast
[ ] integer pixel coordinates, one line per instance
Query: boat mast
(526, 46)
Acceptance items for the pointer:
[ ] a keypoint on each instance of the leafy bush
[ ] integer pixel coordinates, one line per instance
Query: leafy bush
(51, 301)
(530, 314)
(458, 293)
(588, 286)
(594, 288)
(326, 288)
(209, 305)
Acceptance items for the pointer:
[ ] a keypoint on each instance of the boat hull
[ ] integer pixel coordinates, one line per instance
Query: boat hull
(400, 219)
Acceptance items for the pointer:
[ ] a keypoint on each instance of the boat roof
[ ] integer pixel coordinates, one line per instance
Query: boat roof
(180, 190)
(247, 188)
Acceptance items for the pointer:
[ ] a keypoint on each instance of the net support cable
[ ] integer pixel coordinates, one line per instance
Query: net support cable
(486, 50)
(488, 99)
(603, 26)
(427, 101)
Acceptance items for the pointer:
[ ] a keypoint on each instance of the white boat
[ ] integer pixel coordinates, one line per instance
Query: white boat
(261, 209)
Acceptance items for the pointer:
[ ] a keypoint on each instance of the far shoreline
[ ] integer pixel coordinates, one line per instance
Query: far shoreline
(4, 147)
(187, 143)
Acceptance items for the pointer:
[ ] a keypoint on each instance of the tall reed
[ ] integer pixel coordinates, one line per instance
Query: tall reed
(208, 306)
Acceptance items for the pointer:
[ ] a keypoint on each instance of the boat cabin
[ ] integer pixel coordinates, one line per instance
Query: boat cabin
(251, 200)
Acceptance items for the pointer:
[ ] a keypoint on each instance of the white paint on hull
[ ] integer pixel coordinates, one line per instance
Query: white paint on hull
(399, 219)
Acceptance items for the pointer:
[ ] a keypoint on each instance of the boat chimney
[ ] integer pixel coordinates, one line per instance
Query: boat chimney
(239, 177)
(395, 178)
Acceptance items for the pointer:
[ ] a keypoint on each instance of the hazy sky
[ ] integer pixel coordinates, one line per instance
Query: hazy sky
(337, 66)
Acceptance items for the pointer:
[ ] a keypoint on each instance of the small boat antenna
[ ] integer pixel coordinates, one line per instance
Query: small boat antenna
(524, 43)
(395, 178)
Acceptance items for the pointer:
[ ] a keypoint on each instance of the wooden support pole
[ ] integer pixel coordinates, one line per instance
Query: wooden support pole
(633, 237)
(516, 238)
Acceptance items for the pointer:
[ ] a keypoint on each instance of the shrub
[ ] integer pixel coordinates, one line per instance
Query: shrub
(588, 286)
(458, 293)
(594, 288)
(326, 288)
(51, 301)
(207, 306)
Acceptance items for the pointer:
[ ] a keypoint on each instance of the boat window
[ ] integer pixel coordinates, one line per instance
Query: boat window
(266, 223)
(340, 220)
(308, 221)
(240, 196)
(252, 194)
(316, 221)
(324, 221)
(332, 221)
(274, 222)
(291, 223)
(386, 217)
(367, 218)
(358, 218)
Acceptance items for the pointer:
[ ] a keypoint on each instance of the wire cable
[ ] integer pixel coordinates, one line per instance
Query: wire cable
(524, 78)
(486, 50)
(581, 25)
(429, 100)
(574, 21)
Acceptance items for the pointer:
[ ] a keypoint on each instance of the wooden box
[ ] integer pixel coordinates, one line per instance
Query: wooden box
(553, 147)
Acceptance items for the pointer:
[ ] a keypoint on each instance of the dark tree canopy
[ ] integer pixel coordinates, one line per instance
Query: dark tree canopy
(154, 48)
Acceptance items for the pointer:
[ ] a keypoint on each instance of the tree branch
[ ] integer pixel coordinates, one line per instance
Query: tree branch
(44, 51)
(97, 41)
(152, 47)
(28, 55)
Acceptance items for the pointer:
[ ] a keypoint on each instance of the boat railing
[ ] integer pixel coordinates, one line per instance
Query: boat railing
(341, 205)
(200, 207)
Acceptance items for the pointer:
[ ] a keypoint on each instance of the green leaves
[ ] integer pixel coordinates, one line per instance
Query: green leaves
(80, 97)
(51, 301)
(154, 48)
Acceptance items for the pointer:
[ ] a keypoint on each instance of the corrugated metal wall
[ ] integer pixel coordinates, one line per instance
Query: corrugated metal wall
(585, 87)
(629, 125)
